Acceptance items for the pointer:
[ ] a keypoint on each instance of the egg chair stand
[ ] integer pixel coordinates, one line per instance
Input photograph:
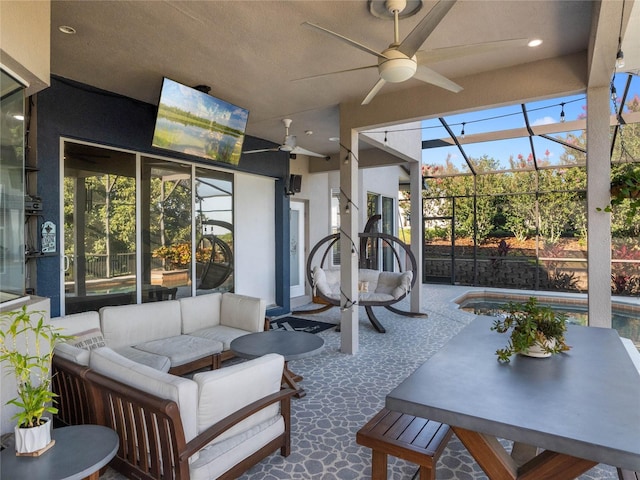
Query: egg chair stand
(375, 288)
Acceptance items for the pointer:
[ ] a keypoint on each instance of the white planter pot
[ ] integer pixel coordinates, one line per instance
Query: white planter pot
(29, 440)
(537, 350)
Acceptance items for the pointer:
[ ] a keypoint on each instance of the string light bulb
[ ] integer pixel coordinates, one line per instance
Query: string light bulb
(385, 136)
(462, 131)
(614, 93)
(619, 59)
(562, 112)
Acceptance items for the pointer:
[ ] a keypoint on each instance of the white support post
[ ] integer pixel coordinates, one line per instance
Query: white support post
(598, 195)
(416, 232)
(349, 242)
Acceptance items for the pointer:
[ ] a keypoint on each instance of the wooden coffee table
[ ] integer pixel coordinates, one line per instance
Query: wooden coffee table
(291, 345)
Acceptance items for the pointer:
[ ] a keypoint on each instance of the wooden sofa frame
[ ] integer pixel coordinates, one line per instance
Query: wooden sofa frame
(142, 419)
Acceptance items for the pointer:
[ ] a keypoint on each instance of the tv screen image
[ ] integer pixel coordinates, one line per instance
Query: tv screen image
(193, 122)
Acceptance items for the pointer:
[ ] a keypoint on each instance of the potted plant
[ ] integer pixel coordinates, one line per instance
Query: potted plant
(535, 330)
(625, 185)
(26, 345)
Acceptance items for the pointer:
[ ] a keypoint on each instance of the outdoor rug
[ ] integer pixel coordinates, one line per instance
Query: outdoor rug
(299, 324)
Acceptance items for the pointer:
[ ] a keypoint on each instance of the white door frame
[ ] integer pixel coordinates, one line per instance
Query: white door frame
(297, 241)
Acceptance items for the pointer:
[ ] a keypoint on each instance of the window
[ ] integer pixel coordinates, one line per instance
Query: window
(12, 189)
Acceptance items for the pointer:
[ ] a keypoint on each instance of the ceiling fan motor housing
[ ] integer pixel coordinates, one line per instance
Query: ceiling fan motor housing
(397, 67)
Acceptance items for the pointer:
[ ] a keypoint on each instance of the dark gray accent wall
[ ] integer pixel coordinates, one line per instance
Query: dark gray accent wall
(74, 110)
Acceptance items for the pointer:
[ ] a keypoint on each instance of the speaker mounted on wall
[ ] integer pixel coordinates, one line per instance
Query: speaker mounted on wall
(295, 184)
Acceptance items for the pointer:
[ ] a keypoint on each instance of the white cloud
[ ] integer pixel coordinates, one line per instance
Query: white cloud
(544, 121)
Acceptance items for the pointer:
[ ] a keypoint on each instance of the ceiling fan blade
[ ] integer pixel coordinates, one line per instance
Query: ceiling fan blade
(304, 151)
(333, 73)
(353, 43)
(372, 93)
(427, 75)
(412, 43)
(450, 53)
(263, 150)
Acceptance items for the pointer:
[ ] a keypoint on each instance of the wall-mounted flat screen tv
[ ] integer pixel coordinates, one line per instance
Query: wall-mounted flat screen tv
(193, 122)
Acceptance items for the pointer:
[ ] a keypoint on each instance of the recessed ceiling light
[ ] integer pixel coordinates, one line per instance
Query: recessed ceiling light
(19, 117)
(67, 29)
(308, 132)
(334, 139)
(535, 42)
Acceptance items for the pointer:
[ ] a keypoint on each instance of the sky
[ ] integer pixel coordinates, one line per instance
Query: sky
(510, 117)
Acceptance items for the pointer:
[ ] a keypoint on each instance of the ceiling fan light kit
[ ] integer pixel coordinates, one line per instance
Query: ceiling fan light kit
(288, 145)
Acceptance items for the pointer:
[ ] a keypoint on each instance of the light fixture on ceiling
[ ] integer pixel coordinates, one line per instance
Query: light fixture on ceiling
(462, 131)
(66, 29)
(562, 112)
(535, 42)
(19, 117)
(334, 139)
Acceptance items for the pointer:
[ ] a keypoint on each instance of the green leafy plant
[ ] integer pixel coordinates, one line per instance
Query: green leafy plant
(531, 324)
(625, 187)
(26, 344)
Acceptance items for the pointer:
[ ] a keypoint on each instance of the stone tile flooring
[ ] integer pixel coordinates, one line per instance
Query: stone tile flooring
(344, 391)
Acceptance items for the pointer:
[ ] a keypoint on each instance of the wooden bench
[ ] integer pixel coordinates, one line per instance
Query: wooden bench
(414, 439)
(628, 475)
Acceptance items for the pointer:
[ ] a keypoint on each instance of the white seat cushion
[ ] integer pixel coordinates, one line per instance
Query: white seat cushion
(158, 362)
(181, 349)
(221, 333)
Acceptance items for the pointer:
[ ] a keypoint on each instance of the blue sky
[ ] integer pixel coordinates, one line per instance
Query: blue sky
(510, 117)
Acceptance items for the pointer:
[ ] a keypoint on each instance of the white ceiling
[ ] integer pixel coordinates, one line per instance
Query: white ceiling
(249, 52)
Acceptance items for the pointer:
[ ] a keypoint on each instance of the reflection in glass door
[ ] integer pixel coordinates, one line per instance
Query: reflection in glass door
(99, 227)
(166, 229)
(214, 231)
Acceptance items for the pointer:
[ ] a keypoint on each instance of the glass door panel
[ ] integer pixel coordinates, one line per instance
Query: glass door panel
(99, 227)
(166, 211)
(214, 231)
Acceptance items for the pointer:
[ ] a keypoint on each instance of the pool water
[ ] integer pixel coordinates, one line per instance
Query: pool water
(624, 318)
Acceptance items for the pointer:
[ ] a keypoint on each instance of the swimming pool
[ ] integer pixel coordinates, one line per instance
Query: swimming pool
(625, 318)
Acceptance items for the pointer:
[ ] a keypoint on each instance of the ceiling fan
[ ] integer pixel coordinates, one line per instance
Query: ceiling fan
(402, 60)
(288, 145)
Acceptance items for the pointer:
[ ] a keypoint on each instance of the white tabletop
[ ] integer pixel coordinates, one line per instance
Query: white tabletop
(584, 403)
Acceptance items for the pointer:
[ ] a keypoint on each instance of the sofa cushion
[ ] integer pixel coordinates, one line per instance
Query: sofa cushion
(224, 391)
(74, 354)
(221, 333)
(200, 312)
(128, 325)
(218, 457)
(77, 322)
(157, 362)
(181, 349)
(164, 385)
(243, 312)
(394, 284)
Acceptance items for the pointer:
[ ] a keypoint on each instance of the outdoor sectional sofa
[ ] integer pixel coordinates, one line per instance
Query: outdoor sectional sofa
(176, 336)
(118, 372)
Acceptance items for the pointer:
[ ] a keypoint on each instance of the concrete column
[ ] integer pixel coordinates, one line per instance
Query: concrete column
(416, 231)
(349, 242)
(598, 195)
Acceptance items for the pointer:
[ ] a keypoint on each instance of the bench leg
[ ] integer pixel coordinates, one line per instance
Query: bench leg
(427, 473)
(378, 465)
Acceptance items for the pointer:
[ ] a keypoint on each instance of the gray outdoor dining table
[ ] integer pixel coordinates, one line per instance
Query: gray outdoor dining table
(579, 408)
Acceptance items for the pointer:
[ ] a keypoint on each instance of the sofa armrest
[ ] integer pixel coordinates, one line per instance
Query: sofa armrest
(217, 429)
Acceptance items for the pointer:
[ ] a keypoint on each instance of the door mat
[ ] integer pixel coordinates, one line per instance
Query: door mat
(299, 324)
